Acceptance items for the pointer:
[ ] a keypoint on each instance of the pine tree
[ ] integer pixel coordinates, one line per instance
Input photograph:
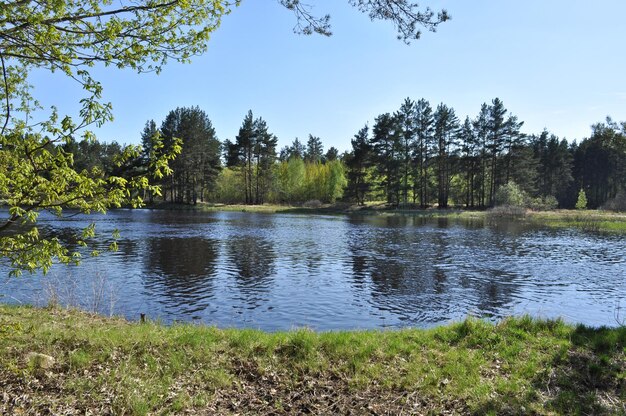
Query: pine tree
(446, 127)
(581, 203)
(296, 150)
(149, 130)
(197, 167)
(147, 140)
(470, 159)
(241, 155)
(497, 129)
(265, 156)
(424, 130)
(331, 154)
(554, 167)
(387, 147)
(406, 123)
(314, 150)
(358, 162)
(481, 131)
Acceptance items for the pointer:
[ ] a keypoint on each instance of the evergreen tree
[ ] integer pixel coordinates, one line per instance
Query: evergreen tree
(406, 123)
(149, 130)
(265, 156)
(296, 150)
(424, 134)
(514, 141)
(481, 131)
(240, 155)
(470, 148)
(497, 130)
(387, 147)
(314, 150)
(147, 139)
(331, 154)
(196, 168)
(554, 166)
(446, 127)
(358, 162)
(600, 162)
(231, 153)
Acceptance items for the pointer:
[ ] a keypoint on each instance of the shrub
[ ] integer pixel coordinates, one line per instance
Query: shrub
(581, 203)
(543, 204)
(511, 195)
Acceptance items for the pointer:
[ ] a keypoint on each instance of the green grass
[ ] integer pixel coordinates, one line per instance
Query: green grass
(588, 220)
(518, 366)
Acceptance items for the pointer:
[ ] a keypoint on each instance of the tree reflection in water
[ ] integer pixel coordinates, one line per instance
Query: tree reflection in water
(182, 270)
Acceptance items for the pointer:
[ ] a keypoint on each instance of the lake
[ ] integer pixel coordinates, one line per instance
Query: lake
(282, 271)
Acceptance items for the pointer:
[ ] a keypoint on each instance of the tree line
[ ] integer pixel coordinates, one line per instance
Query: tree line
(427, 156)
(418, 156)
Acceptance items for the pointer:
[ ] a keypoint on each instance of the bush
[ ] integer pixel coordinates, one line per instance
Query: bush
(543, 204)
(511, 195)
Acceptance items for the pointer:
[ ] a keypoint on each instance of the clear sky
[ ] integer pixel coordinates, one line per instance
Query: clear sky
(556, 64)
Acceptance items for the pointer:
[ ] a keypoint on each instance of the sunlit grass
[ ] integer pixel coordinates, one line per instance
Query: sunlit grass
(588, 220)
(520, 365)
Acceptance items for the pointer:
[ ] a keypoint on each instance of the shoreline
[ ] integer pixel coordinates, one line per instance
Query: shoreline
(109, 365)
(585, 220)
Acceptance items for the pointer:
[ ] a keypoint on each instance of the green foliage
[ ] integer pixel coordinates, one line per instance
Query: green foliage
(253, 155)
(229, 187)
(599, 163)
(298, 181)
(511, 195)
(358, 162)
(291, 177)
(581, 202)
(386, 142)
(446, 129)
(67, 36)
(314, 150)
(543, 204)
(194, 171)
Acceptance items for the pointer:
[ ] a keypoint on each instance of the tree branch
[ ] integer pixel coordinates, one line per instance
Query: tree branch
(6, 92)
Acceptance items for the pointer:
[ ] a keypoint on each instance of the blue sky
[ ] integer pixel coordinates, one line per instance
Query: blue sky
(556, 64)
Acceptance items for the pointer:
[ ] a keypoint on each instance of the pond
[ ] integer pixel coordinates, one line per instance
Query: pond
(282, 271)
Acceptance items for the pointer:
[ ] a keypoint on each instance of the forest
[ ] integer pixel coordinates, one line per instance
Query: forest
(419, 156)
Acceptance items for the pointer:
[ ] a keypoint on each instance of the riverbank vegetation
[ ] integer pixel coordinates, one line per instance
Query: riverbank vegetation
(65, 361)
(417, 156)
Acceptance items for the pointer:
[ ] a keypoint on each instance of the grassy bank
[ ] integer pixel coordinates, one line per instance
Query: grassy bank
(111, 366)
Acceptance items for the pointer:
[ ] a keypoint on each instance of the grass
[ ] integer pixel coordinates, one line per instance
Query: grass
(588, 220)
(111, 366)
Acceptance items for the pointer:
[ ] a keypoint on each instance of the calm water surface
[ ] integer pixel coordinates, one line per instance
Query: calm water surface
(274, 271)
